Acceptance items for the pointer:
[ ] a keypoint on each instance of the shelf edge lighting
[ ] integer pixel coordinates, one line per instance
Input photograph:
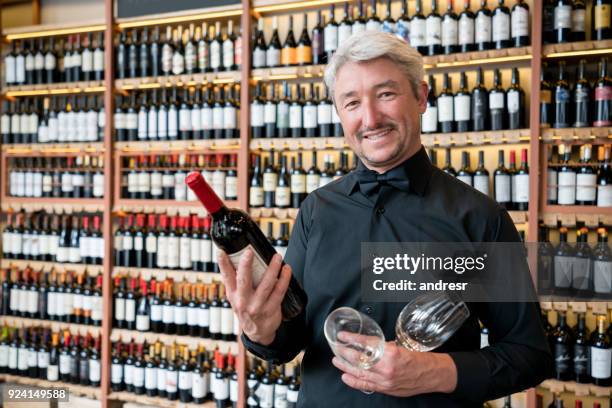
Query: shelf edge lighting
(579, 53)
(180, 19)
(296, 5)
(59, 31)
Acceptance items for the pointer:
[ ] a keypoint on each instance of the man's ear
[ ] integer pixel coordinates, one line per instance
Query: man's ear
(422, 97)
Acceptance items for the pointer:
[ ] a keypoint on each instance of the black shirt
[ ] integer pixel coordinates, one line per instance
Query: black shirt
(324, 253)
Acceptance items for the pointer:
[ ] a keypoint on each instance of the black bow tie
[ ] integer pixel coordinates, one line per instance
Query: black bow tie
(370, 181)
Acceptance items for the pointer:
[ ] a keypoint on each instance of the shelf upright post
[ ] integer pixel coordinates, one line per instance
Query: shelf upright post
(244, 159)
(534, 151)
(107, 294)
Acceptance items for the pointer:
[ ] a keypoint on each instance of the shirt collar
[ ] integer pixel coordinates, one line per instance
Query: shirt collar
(417, 169)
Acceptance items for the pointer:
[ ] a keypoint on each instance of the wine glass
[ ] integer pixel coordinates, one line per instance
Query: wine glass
(354, 338)
(429, 320)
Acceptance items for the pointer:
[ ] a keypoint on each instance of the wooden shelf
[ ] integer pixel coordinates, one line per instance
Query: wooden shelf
(589, 134)
(577, 49)
(222, 77)
(55, 326)
(155, 401)
(298, 143)
(191, 15)
(68, 205)
(192, 342)
(54, 89)
(568, 215)
(170, 207)
(288, 73)
(161, 274)
(178, 146)
(37, 149)
(488, 137)
(43, 30)
(573, 387)
(73, 389)
(41, 265)
(477, 58)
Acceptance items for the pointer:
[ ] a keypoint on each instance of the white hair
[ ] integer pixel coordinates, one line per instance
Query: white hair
(370, 45)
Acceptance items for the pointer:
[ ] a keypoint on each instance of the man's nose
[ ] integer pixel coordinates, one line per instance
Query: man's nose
(371, 118)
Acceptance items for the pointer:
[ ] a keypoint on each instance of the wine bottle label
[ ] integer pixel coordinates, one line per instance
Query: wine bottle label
(298, 183)
(32, 301)
(310, 116)
(172, 123)
(51, 304)
(601, 360)
(96, 308)
(215, 55)
(52, 373)
(462, 107)
(42, 358)
(563, 358)
(178, 63)
(94, 370)
(586, 189)
(259, 58)
(602, 14)
(168, 314)
(39, 61)
(282, 196)
(206, 250)
(215, 319)
(563, 17)
(233, 391)
(418, 32)
(295, 116)
(162, 252)
(198, 385)
(581, 273)
(138, 376)
(520, 22)
(259, 266)
(184, 380)
(171, 381)
(330, 38)
(266, 395)
(29, 63)
(128, 374)
(98, 60)
(433, 29)
(604, 195)
(185, 119)
(602, 276)
(501, 27)
(116, 373)
(20, 69)
(9, 62)
(280, 396)
(429, 120)
(203, 317)
(142, 124)
(23, 301)
(161, 379)
(482, 28)
(222, 390)
(64, 364)
(563, 271)
(151, 123)
(231, 187)
(269, 181)
(312, 183)
(551, 180)
(227, 321)
(156, 313)
(12, 358)
(128, 242)
(521, 190)
(273, 57)
(87, 61)
(142, 322)
(162, 124)
(190, 57)
(372, 25)
(228, 53)
(581, 359)
(130, 310)
(445, 108)
(184, 252)
(77, 301)
(151, 378)
(466, 30)
(229, 117)
(449, 32)
(567, 188)
(513, 102)
(131, 121)
(502, 188)
(496, 100)
(14, 299)
(256, 196)
(292, 396)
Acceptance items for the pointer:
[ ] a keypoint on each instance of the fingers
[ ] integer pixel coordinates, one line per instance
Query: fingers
(277, 295)
(358, 384)
(355, 372)
(269, 279)
(244, 276)
(227, 272)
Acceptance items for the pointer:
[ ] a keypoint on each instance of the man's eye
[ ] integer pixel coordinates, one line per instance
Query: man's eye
(387, 94)
(350, 104)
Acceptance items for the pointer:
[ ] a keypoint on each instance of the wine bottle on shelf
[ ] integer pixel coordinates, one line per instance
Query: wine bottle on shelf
(373, 23)
(479, 104)
(578, 20)
(604, 178)
(448, 167)
(481, 175)
(516, 102)
(502, 183)
(582, 98)
(601, 354)
(433, 30)
(450, 30)
(429, 119)
(445, 101)
(359, 23)
(465, 173)
(562, 339)
(563, 21)
(497, 103)
(466, 28)
(520, 24)
(462, 106)
(483, 27)
(501, 26)
(345, 28)
(586, 178)
(566, 178)
(520, 184)
(295, 298)
(602, 20)
(603, 96)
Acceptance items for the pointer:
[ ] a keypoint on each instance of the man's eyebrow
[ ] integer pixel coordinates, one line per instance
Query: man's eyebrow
(386, 84)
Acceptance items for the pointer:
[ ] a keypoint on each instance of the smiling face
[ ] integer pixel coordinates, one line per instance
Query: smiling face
(379, 111)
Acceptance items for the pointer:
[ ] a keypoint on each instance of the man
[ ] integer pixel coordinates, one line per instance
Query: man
(376, 81)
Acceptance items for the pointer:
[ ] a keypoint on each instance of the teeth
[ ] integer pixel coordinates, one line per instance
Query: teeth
(378, 135)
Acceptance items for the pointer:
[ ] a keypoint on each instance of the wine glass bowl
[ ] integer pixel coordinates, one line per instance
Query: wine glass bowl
(354, 337)
(430, 320)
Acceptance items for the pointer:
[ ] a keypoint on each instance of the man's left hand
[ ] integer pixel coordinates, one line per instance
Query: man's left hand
(402, 373)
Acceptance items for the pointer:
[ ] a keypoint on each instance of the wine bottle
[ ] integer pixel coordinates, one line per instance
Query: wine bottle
(520, 185)
(345, 28)
(562, 341)
(516, 102)
(497, 103)
(479, 104)
(466, 28)
(578, 21)
(433, 30)
(429, 119)
(586, 179)
(566, 191)
(603, 96)
(304, 46)
(582, 97)
(602, 20)
(563, 21)
(481, 175)
(462, 106)
(502, 183)
(604, 178)
(295, 297)
(445, 101)
(418, 30)
(450, 30)
(465, 173)
(562, 99)
(501, 26)
(601, 354)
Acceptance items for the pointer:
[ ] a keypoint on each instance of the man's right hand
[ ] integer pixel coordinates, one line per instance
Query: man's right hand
(258, 310)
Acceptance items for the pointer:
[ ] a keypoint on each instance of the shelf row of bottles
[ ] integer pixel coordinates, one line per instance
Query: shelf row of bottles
(478, 110)
(58, 119)
(580, 355)
(558, 402)
(37, 352)
(208, 48)
(68, 177)
(62, 296)
(273, 386)
(54, 237)
(584, 103)
(163, 177)
(297, 111)
(209, 112)
(175, 372)
(433, 34)
(576, 269)
(579, 181)
(180, 308)
(55, 59)
(566, 20)
(166, 242)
